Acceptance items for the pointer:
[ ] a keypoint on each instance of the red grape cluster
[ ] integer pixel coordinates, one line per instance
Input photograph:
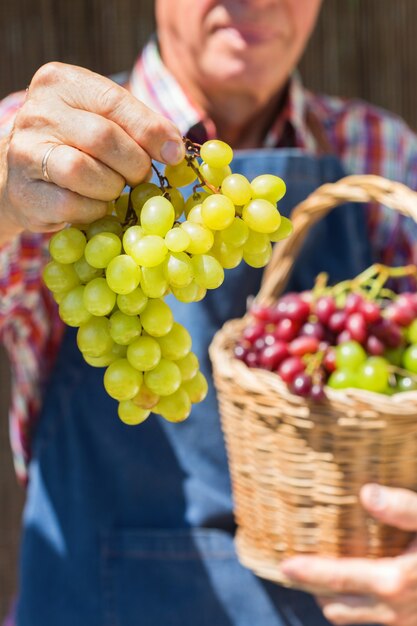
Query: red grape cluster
(355, 340)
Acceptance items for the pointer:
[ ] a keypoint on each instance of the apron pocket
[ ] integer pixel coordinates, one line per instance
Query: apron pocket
(180, 578)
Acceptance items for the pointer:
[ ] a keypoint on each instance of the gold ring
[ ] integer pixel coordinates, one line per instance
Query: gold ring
(47, 154)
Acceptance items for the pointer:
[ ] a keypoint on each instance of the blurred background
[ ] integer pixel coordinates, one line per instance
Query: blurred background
(361, 48)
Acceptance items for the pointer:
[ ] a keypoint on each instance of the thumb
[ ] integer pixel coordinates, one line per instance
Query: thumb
(392, 506)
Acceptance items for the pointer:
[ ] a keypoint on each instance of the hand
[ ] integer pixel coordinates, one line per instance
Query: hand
(104, 138)
(364, 591)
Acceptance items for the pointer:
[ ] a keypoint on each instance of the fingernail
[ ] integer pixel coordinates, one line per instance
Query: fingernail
(374, 496)
(172, 152)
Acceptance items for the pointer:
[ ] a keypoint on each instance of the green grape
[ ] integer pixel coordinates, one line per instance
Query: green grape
(196, 387)
(121, 380)
(181, 174)
(214, 175)
(342, 379)
(177, 239)
(268, 187)
(410, 358)
(195, 216)
(350, 355)
(197, 197)
(154, 282)
(164, 378)
(157, 318)
(67, 246)
(71, 308)
(190, 293)
(394, 355)
(261, 216)
(131, 237)
(59, 278)
(177, 200)
(121, 206)
(93, 337)
(141, 193)
(102, 248)
(122, 274)
(406, 383)
(117, 352)
(178, 269)
(411, 332)
(216, 153)
(236, 234)
(146, 399)
(106, 224)
(132, 303)
(188, 366)
(99, 299)
(131, 414)
(144, 353)
(85, 271)
(256, 243)
(373, 374)
(157, 216)
(176, 407)
(58, 297)
(228, 256)
(176, 344)
(218, 212)
(283, 231)
(208, 273)
(258, 259)
(201, 238)
(149, 251)
(237, 188)
(124, 328)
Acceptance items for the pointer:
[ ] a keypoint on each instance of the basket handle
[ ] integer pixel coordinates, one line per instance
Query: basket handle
(364, 188)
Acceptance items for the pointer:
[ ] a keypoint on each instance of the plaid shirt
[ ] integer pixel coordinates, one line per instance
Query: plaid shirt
(366, 139)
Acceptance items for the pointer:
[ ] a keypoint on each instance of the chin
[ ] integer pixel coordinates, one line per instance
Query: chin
(237, 69)
(237, 80)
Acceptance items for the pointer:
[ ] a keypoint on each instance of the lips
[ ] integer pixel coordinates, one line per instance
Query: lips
(249, 34)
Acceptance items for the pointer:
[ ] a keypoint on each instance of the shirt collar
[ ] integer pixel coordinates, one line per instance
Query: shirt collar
(153, 84)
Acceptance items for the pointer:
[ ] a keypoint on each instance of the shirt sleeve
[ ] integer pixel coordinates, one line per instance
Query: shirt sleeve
(21, 260)
(30, 327)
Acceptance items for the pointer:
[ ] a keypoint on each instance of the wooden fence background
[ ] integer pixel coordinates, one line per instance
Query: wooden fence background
(361, 48)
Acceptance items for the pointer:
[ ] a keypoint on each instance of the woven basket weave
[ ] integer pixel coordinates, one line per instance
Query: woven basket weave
(297, 467)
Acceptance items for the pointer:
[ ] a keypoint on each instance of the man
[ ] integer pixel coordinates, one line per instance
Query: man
(136, 526)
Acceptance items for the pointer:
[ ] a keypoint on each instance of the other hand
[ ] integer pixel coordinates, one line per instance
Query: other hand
(367, 591)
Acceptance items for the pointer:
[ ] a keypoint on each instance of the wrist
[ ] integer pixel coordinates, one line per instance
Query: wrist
(9, 228)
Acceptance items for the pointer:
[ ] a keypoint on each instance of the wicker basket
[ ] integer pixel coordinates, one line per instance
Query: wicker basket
(297, 467)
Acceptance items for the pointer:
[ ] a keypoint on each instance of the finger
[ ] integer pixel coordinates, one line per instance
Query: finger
(344, 609)
(47, 207)
(392, 506)
(344, 575)
(155, 134)
(105, 141)
(76, 171)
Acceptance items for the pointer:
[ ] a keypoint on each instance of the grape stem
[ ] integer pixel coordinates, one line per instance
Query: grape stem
(370, 283)
(130, 218)
(193, 151)
(394, 369)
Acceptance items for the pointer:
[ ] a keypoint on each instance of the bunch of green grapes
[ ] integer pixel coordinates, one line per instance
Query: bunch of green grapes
(110, 277)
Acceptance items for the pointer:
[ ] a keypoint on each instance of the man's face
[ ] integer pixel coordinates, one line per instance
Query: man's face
(238, 45)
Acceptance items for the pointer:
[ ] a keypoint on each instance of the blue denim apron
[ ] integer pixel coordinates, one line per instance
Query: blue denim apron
(129, 526)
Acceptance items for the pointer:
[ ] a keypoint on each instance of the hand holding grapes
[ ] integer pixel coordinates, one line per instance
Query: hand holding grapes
(361, 591)
(76, 141)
